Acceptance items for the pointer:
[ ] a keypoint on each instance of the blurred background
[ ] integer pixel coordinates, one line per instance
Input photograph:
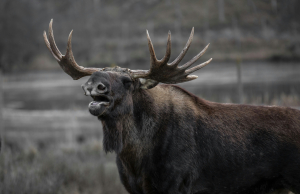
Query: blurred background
(50, 142)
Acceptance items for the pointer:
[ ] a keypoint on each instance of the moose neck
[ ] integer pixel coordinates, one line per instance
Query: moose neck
(133, 124)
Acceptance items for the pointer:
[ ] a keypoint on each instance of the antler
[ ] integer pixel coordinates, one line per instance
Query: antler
(67, 62)
(162, 71)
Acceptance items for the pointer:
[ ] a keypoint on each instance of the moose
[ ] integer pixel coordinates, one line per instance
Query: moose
(170, 141)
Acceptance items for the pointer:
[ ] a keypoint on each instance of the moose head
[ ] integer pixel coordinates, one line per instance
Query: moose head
(110, 87)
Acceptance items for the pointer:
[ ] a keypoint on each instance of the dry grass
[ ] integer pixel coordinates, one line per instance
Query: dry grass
(60, 170)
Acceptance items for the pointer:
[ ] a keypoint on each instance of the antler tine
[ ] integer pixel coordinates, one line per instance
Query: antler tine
(69, 45)
(48, 46)
(151, 50)
(193, 69)
(67, 62)
(193, 60)
(165, 59)
(168, 51)
(52, 42)
(185, 49)
(69, 53)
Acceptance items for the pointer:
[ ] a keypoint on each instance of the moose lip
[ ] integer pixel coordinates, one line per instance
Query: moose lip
(99, 105)
(96, 103)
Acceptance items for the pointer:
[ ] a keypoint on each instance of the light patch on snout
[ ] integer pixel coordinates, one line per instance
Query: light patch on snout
(87, 93)
(91, 90)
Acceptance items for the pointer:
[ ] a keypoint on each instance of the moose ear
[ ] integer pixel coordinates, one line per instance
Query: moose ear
(147, 83)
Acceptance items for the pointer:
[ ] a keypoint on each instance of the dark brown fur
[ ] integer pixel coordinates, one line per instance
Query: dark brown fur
(168, 140)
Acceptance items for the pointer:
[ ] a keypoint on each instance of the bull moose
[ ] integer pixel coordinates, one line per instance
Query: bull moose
(168, 140)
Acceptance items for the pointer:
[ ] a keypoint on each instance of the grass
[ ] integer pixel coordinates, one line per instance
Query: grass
(61, 170)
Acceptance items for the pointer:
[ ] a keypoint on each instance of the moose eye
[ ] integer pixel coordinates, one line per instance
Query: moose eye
(126, 82)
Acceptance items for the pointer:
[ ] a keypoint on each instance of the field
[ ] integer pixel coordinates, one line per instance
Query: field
(53, 145)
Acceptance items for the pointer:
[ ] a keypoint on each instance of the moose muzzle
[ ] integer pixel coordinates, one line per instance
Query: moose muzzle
(100, 101)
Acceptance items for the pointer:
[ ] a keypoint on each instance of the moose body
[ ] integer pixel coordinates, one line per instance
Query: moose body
(168, 140)
(175, 142)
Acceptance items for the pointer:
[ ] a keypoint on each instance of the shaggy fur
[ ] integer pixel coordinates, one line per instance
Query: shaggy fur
(168, 140)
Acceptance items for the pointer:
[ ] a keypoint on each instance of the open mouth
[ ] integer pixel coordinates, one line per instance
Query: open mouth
(99, 105)
(100, 100)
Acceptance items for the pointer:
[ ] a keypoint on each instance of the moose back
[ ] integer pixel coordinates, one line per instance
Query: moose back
(168, 140)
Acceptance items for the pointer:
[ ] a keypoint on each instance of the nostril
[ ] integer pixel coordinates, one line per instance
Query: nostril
(101, 87)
